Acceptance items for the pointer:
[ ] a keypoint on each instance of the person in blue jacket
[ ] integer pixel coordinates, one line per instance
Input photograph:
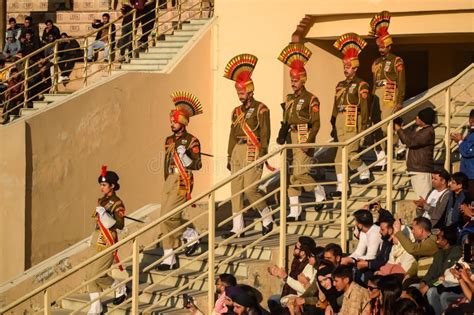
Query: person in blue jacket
(466, 148)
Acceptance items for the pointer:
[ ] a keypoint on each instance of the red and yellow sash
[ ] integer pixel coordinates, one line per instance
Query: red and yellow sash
(110, 241)
(250, 134)
(183, 174)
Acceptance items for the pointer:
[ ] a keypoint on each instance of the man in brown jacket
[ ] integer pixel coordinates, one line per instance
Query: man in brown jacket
(420, 143)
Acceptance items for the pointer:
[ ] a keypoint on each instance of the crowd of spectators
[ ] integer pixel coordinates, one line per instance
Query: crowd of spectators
(419, 267)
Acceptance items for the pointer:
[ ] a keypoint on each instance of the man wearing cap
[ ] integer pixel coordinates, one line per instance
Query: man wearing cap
(248, 140)
(109, 216)
(388, 77)
(350, 114)
(420, 142)
(301, 121)
(183, 155)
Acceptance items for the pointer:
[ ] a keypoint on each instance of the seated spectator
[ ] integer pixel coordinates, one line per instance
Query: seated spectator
(382, 213)
(13, 28)
(223, 281)
(405, 306)
(256, 297)
(32, 29)
(102, 38)
(69, 52)
(390, 289)
(29, 45)
(366, 268)
(399, 260)
(423, 248)
(14, 95)
(420, 143)
(374, 305)
(447, 255)
(50, 29)
(434, 206)
(355, 296)
(333, 253)
(458, 186)
(12, 48)
(466, 148)
(4, 72)
(466, 281)
(413, 294)
(369, 238)
(298, 264)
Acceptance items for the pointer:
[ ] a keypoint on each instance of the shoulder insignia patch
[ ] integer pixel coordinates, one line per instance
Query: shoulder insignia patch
(196, 149)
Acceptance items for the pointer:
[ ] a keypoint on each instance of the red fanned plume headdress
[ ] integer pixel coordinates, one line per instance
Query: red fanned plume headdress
(295, 56)
(239, 69)
(350, 45)
(187, 105)
(379, 28)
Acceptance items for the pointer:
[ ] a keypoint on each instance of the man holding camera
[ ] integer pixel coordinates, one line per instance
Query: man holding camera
(300, 124)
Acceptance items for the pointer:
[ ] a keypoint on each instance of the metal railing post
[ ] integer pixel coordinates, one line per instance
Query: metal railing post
(447, 123)
(55, 68)
(283, 204)
(86, 60)
(200, 8)
(135, 275)
(109, 42)
(134, 31)
(179, 14)
(389, 179)
(344, 196)
(46, 302)
(25, 82)
(211, 251)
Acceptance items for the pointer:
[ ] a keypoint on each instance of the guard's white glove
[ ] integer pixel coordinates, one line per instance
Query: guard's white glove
(181, 150)
(186, 160)
(107, 220)
(100, 210)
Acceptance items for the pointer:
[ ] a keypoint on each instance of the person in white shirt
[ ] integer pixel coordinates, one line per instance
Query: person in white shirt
(369, 238)
(434, 206)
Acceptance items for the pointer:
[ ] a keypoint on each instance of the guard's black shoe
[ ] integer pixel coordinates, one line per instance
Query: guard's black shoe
(230, 234)
(335, 194)
(191, 249)
(166, 267)
(378, 168)
(293, 219)
(267, 229)
(401, 156)
(363, 181)
(121, 299)
(319, 207)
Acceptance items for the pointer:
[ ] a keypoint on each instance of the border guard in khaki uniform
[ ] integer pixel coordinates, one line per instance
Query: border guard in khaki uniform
(388, 78)
(109, 215)
(183, 155)
(248, 141)
(301, 118)
(350, 114)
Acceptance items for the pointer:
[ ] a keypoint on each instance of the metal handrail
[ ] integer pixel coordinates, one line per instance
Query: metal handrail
(282, 152)
(29, 93)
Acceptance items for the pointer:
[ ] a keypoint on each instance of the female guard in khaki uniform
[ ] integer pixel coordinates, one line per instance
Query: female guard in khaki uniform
(183, 155)
(109, 215)
(248, 140)
(350, 113)
(301, 117)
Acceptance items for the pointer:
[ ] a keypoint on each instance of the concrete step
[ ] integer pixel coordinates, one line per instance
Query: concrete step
(54, 97)
(191, 27)
(141, 67)
(164, 56)
(162, 50)
(141, 61)
(184, 33)
(170, 44)
(28, 111)
(175, 38)
(198, 21)
(40, 104)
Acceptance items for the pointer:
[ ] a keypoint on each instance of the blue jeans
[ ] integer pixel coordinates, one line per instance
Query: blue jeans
(98, 45)
(440, 302)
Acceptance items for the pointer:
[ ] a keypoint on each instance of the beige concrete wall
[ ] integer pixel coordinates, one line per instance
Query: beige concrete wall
(122, 123)
(12, 200)
(264, 27)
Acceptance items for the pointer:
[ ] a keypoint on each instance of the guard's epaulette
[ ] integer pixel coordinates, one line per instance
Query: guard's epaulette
(262, 108)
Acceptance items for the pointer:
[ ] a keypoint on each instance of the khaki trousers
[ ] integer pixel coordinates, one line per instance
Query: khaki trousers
(344, 133)
(421, 183)
(99, 266)
(385, 111)
(238, 161)
(300, 172)
(171, 199)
